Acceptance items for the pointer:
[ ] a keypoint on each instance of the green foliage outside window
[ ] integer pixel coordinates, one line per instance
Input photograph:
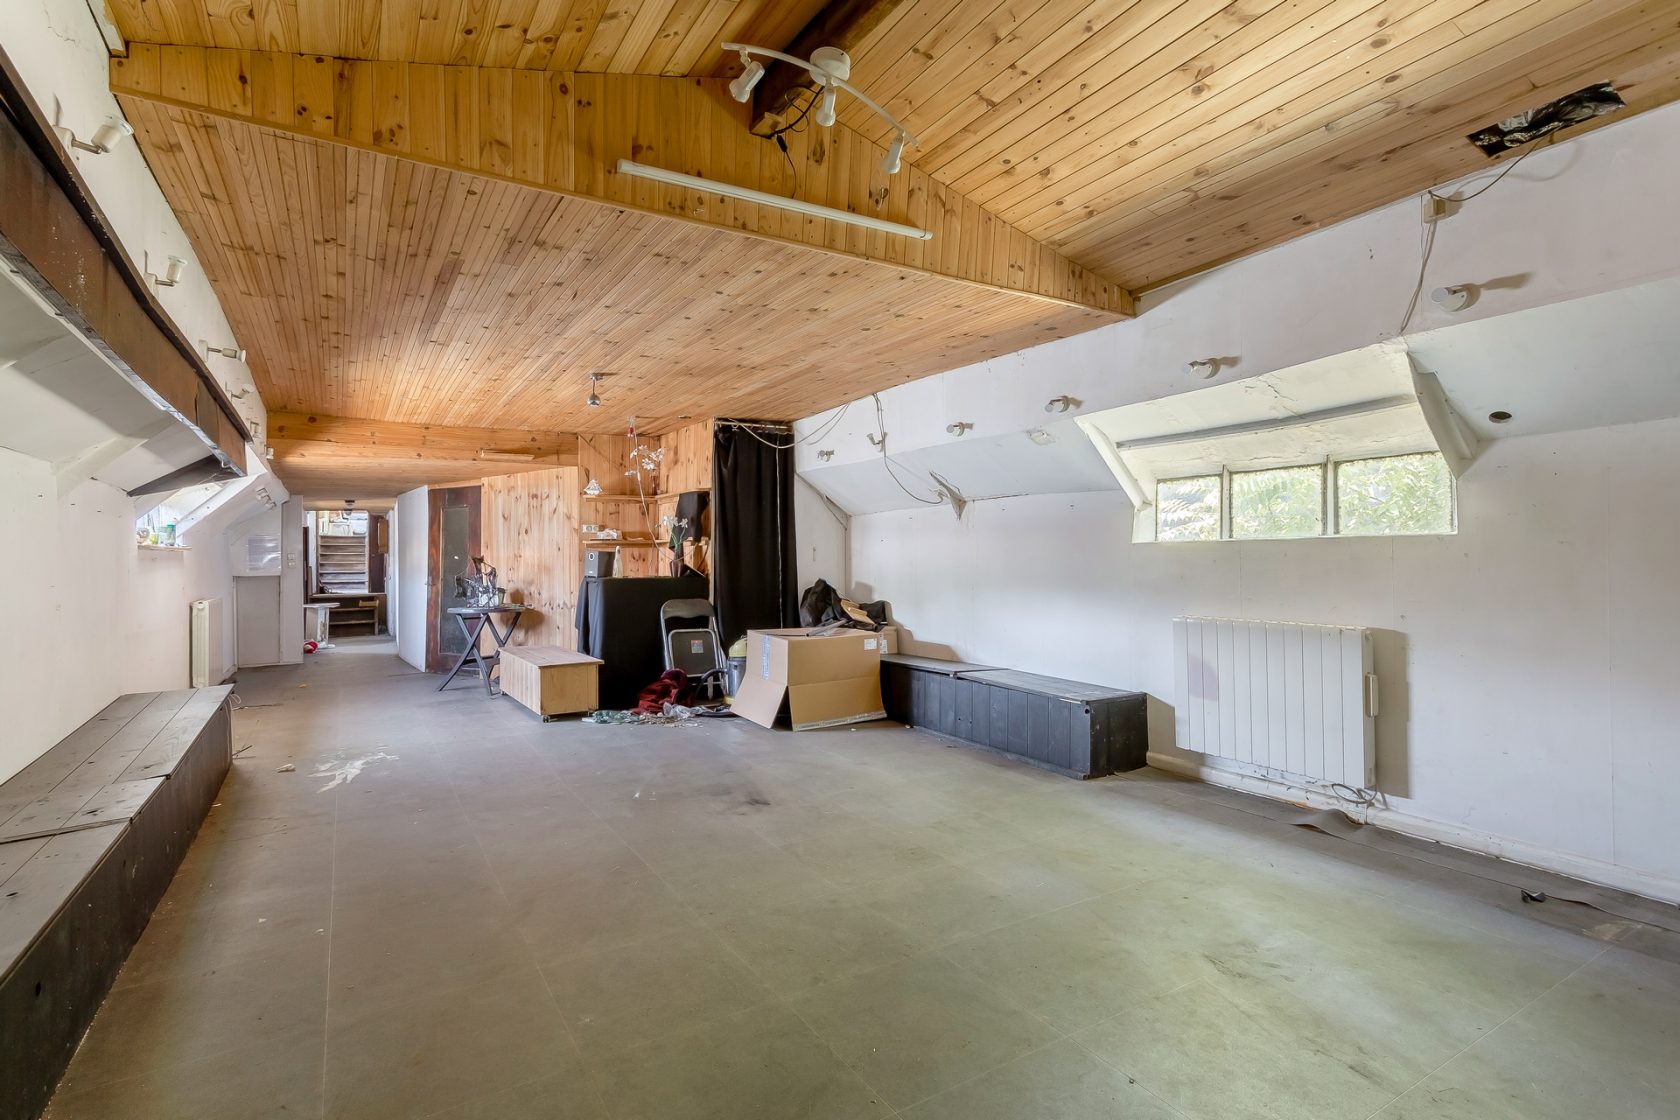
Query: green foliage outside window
(1187, 509)
(1288, 502)
(1396, 495)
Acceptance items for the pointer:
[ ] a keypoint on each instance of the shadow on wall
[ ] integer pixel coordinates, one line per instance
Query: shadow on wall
(1394, 713)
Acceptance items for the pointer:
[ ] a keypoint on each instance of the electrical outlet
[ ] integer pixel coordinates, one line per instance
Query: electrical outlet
(1435, 208)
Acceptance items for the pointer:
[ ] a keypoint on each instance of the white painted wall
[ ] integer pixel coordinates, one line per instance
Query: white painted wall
(61, 58)
(1528, 663)
(820, 529)
(89, 615)
(409, 548)
(1578, 218)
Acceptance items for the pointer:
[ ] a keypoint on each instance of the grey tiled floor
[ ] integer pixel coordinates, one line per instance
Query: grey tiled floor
(511, 921)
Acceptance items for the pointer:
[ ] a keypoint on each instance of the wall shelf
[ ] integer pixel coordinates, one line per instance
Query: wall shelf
(593, 542)
(165, 547)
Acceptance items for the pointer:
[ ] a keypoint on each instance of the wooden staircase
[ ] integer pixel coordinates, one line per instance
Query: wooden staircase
(341, 565)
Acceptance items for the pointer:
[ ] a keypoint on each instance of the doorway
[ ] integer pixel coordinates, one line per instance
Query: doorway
(454, 537)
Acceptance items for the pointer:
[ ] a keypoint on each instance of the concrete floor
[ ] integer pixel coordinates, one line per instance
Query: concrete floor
(502, 919)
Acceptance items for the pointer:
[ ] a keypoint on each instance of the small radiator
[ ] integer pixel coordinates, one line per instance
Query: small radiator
(205, 643)
(1298, 699)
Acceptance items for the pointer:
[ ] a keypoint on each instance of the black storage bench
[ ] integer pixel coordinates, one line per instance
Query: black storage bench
(1083, 730)
(90, 835)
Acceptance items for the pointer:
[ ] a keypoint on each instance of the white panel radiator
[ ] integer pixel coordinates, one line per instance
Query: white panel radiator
(205, 643)
(1294, 698)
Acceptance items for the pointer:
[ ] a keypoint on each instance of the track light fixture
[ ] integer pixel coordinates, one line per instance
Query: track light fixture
(829, 67)
(173, 270)
(959, 428)
(752, 70)
(895, 155)
(104, 138)
(824, 115)
(237, 353)
(1059, 404)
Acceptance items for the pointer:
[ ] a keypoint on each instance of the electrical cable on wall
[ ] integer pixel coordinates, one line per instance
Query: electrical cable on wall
(881, 430)
(1427, 246)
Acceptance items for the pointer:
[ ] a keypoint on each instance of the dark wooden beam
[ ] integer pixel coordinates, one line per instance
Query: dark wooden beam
(843, 24)
(53, 234)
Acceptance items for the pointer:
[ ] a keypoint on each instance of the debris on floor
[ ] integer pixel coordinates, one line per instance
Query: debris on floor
(286, 769)
(343, 772)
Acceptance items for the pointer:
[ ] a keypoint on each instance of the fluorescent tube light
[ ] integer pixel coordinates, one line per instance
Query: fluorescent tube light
(747, 194)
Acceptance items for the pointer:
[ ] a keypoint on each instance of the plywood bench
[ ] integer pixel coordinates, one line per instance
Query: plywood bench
(90, 835)
(551, 680)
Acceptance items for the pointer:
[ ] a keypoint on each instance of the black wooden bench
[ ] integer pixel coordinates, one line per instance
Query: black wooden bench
(90, 835)
(1083, 730)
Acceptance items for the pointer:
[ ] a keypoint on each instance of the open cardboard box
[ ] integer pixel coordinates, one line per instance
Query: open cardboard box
(822, 681)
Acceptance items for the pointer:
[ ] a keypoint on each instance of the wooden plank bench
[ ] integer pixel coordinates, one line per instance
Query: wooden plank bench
(90, 835)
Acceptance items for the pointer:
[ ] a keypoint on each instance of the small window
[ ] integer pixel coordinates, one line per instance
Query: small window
(1187, 509)
(1397, 495)
(1288, 502)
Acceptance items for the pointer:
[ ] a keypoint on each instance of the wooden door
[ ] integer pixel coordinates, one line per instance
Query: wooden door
(454, 535)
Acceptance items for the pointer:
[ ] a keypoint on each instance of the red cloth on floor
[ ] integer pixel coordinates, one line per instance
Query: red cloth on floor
(668, 689)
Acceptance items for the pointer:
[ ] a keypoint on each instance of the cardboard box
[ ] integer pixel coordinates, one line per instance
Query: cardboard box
(889, 639)
(821, 682)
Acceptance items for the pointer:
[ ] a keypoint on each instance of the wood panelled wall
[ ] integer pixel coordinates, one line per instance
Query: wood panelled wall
(533, 523)
(531, 535)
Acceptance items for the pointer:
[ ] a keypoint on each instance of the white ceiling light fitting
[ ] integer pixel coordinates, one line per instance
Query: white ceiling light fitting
(763, 198)
(1203, 368)
(1061, 403)
(829, 67)
(107, 136)
(826, 454)
(237, 353)
(961, 427)
(173, 269)
(1455, 298)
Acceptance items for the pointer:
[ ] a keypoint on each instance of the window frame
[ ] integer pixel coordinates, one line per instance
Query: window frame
(1336, 507)
(1323, 487)
(1224, 511)
(1330, 519)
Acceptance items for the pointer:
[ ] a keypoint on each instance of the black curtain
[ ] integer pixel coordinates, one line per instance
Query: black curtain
(753, 576)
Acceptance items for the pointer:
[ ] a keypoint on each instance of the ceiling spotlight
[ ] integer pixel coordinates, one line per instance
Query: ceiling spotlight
(826, 454)
(895, 155)
(594, 400)
(173, 270)
(1059, 404)
(825, 107)
(235, 352)
(829, 67)
(741, 88)
(1203, 368)
(105, 137)
(1455, 298)
(959, 428)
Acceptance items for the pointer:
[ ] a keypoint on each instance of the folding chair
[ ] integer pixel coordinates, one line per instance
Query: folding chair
(697, 651)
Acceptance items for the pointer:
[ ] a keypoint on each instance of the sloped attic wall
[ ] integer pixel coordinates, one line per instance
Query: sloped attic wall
(1527, 662)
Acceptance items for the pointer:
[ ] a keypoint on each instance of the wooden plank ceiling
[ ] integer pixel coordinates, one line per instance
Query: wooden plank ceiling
(1143, 140)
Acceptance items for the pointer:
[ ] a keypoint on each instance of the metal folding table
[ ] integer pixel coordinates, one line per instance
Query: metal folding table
(482, 618)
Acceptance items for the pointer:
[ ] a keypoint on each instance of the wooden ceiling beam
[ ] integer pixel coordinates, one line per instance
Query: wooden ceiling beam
(565, 133)
(336, 456)
(843, 24)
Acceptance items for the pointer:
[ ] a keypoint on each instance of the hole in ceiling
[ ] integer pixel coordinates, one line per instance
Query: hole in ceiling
(1532, 124)
(1500, 416)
